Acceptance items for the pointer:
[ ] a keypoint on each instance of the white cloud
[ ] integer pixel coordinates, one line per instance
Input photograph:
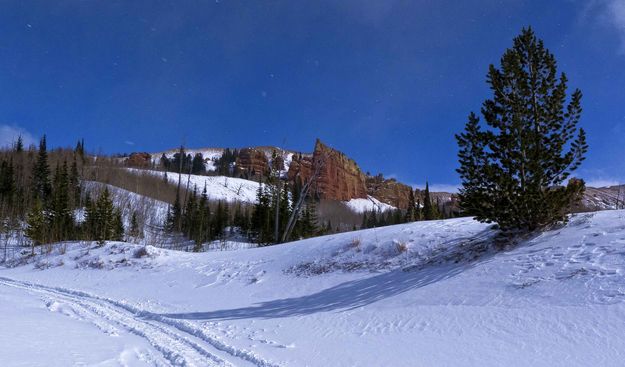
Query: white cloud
(128, 142)
(10, 133)
(607, 12)
(616, 11)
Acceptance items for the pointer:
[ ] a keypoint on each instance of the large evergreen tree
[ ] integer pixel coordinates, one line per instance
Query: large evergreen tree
(429, 210)
(513, 168)
(41, 173)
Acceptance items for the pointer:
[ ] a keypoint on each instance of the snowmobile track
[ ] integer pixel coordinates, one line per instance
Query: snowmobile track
(181, 343)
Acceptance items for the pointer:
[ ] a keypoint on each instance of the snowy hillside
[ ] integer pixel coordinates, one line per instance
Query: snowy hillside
(218, 187)
(240, 190)
(367, 205)
(151, 213)
(432, 293)
(211, 155)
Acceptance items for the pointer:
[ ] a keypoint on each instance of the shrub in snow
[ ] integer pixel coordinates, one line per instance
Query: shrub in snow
(140, 252)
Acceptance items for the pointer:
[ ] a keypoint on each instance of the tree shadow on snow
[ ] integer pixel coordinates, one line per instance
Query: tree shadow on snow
(362, 292)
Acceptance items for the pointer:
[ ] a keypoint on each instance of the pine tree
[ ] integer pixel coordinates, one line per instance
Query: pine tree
(60, 213)
(74, 186)
(19, 145)
(261, 218)
(117, 226)
(134, 232)
(90, 223)
(198, 166)
(220, 219)
(174, 216)
(7, 187)
(204, 214)
(36, 221)
(512, 170)
(411, 212)
(310, 221)
(41, 174)
(429, 211)
(106, 226)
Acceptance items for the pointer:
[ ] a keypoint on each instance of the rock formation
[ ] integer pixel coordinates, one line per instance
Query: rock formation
(340, 178)
(252, 162)
(139, 160)
(389, 191)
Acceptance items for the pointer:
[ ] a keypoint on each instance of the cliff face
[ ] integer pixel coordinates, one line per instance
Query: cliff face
(139, 160)
(389, 191)
(252, 162)
(340, 178)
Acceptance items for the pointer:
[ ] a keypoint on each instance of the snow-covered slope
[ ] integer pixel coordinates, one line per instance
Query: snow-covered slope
(210, 155)
(432, 293)
(217, 187)
(367, 205)
(151, 213)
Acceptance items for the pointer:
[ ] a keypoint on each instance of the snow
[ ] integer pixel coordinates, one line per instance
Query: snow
(210, 155)
(367, 205)
(151, 213)
(435, 293)
(224, 188)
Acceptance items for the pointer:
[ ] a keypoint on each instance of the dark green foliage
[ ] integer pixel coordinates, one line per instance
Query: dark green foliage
(134, 231)
(262, 230)
(37, 224)
(60, 211)
(179, 163)
(430, 211)
(411, 212)
(80, 149)
(74, 186)
(174, 217)
(224, 166)
(41, 174)
(309, 221)
(198, 167)
(103, 222)
(19, 145)
(118, 226)
(7, 186)
(513, 168)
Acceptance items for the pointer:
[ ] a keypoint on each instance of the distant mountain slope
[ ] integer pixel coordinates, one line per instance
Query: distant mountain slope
(343, 179)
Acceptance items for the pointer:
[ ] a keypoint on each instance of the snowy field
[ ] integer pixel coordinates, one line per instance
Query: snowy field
(422, 294)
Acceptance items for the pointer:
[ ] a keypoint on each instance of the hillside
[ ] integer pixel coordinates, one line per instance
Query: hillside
(345, 181)
(427, 293)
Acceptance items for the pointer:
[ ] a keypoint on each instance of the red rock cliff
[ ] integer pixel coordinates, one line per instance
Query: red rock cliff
(340, 177)
(139, 160)
(252, 161)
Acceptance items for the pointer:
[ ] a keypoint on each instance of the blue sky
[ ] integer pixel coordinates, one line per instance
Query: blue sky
(387, 82)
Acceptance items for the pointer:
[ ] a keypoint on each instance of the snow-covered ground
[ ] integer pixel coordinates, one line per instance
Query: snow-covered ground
(224, 188)
(210, 155)
(422, 294)
(367, 205)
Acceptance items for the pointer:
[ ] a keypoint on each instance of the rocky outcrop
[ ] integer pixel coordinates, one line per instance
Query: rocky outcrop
(252, 162)
(300, 167)
(139, 160)
(340, 178)
(389, 191)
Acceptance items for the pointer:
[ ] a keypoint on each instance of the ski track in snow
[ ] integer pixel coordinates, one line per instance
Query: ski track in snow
(181, 343)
